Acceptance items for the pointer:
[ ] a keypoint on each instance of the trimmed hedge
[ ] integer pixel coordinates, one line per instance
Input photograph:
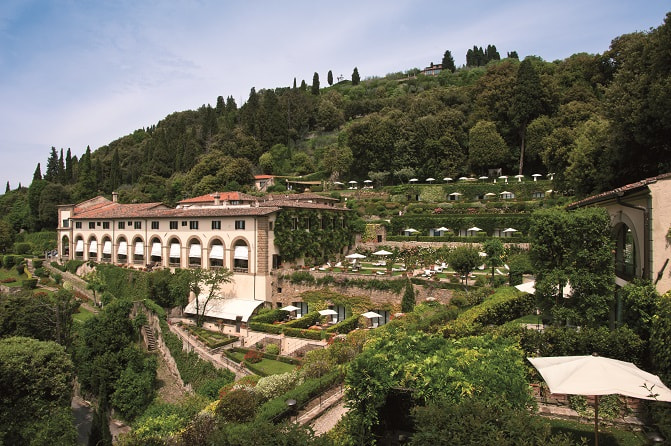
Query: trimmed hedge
(316, 335)
(270, 316)
(37, 263)
(307, 320)
(29, 284)
(266, 328)
(276, 410)
(71, 266)
(345, 326)
(58, 266)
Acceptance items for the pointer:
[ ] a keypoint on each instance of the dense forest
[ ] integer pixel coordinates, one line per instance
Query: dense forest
(596, 121)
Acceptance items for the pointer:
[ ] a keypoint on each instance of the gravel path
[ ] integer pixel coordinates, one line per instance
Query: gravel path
(329, 419)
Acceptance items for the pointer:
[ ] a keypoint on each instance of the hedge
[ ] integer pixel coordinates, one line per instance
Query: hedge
(345, 326)
(266, 328)
(270, 316)
(71, 266)
(285, 359)
(307, 320)
(288, 331)
(276, 409)
(37, 263)
(29, 284)
(58, 266)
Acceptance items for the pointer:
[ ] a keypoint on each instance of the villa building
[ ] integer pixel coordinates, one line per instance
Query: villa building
(640, 216)
(227, 229)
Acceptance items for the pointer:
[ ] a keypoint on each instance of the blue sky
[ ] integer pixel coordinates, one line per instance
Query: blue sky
(77, 73)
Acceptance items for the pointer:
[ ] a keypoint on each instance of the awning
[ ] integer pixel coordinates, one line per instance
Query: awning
(93, 246)
(241, 253)
(156, 249)
(79, 247)
(123, 248)
(107, 247)
(217, 252)
(229, 309)
(194, 250)
(139, 248)
(175, 251)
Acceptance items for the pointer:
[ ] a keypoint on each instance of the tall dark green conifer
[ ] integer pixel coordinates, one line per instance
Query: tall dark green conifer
(315, 84)
(448, 62)
(52, 166)
(527, 102)
(355, 76)
(294, 83)
(37, 175)
(69, 168)
(61, 168)
(329, 77)
(115, 170)
(7, 189)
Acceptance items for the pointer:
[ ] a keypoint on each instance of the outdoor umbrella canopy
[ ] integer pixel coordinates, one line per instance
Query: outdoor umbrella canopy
(474, 228)
(509, 230)
(367, 181)
(447, 179)
(290, 308)
(382, 252)
(371, 314)
(412, 180)
(328, 312)
(356, 255)
(430, 180)
(441, 229)
(597, 375)
(411, 230)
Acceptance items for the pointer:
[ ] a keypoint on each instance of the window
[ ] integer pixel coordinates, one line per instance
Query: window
(538, 195)
(236, 202)
(92, 225)
(66, 223)
(193, 224)
(98, 224)
(184, 223)
(78, 224)
(294, 224)
(137, 225)
(322, 224)
(106, 225)
(122, 225)
(173, 224)
(239, 224)
(130, 223)
(216, 224)
(270, 225)
(154, 225)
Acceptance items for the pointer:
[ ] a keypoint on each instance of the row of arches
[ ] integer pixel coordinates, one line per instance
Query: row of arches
(173, 253)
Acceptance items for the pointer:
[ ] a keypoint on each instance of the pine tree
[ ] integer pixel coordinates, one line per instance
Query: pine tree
(37, 175)
(220, 105)
(329, 77)
(448, 62)
(304, 86)
(315, 84)
(355, 76)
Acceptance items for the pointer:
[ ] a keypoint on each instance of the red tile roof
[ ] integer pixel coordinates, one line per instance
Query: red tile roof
(263, 177)
(223, 196)
(117, 210)
(619, 191)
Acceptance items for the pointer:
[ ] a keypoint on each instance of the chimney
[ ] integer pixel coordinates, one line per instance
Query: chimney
(217, 199)
(115, 197)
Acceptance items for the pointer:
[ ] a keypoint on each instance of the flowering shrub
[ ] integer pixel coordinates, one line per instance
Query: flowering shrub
(275, 385)
(253, 357)
(246, 382)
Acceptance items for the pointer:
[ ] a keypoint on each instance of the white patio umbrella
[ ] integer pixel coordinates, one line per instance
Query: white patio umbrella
(596, 375)
(530, 287)
(490, 194)
(456, 194)
(463, 178)
(328, 312)
(352, 182)
(355, 256)
(367, 181)
(382, 252)
(509, 230)
(371, 314)
(474, 229)
(290, 308)
(338, 183)
(447, 179)
(410, 230)
(484, 177)
(504, 177)
(536, 175)
(429, 180)
(441, 229)
(413, 180)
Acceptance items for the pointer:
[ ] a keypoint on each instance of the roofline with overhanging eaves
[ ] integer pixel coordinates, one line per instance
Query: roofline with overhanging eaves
(618, 192)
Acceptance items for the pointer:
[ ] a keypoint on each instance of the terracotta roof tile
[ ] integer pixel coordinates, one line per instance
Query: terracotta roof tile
(223, 196)
(618, 191)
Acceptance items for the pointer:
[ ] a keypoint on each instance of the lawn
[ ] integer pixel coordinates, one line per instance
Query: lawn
(608, 435)
(212, 339)
(12, 273)
(267, 366)
(82, 315)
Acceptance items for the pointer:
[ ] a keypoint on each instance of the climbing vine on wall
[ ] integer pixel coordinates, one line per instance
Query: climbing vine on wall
(313, 233)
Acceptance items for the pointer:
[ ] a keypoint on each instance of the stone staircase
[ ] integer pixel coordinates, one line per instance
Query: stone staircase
(149, 337)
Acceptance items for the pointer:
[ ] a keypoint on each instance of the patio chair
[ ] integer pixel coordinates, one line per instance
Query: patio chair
(375, 324)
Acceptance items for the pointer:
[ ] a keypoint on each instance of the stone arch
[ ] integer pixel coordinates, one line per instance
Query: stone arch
(628, 246)
(138, 249)
(175, 251)
(240, 261)
(156, 250)
(216, 253)
(106, 251)
(65, 247)
(122, 250)
(195, 248)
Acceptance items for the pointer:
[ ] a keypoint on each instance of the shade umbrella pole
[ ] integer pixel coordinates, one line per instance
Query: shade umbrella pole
(596, 420)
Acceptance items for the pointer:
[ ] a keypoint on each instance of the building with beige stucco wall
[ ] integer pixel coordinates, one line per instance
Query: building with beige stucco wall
(640, 215)
(229, 230)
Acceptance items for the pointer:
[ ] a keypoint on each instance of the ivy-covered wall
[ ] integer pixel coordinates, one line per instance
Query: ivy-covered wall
(314, 233)
(486, 222)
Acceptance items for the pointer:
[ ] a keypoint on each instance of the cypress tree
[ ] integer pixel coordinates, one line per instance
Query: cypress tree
(408, 301)
(448, 62)
(115, 170)
(52, 166)
(315, 84)
(329, 78)
(7, 189)
(355, 76)
(527, 104)
(61, 168)
(294, 83)
(69, 168)
(37, 175)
